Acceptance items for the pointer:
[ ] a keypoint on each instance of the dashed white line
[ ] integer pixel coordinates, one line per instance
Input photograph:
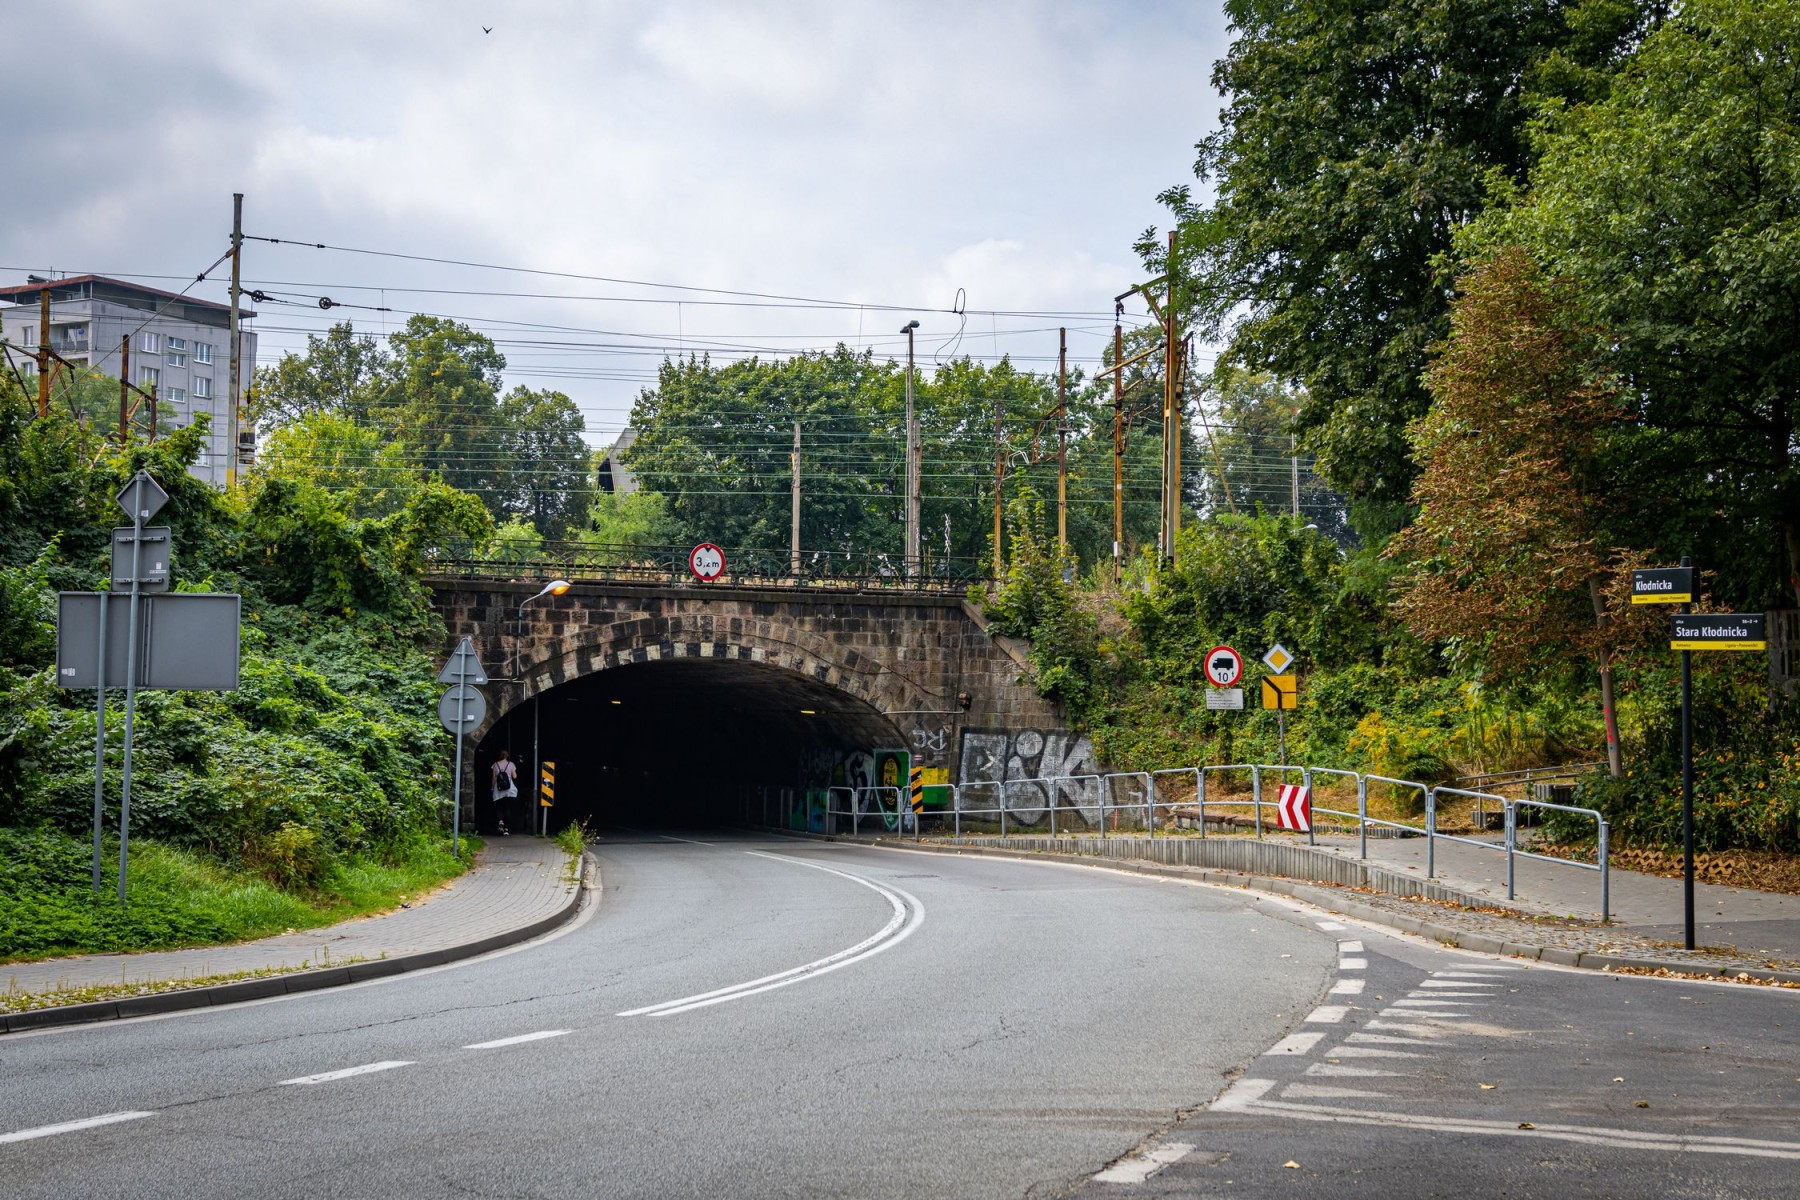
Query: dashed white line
(1136, 1168)
(26, 1135)
(1349, 987)
(1382, 1039)
(1373, 1051)
(1339, 1071)
(1314, 1091)
(1330, 926)
(1352, 964)
(1350, 946)
(517, 1040)
(1434, 1002)
(1297, 1043)
(1454, 983)
(346, 1073)
(1327, 1014)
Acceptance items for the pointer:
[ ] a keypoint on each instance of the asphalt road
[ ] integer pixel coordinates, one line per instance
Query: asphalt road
(820, 1020)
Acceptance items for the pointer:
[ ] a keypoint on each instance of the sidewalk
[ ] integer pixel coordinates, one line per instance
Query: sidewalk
(520, 887)
(1764, 924)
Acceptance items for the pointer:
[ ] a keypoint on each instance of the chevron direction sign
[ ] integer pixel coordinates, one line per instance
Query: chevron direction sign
(1294, 808)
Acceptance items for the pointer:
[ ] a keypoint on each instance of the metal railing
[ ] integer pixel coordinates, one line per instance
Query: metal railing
(1098, 803)
(831, 569)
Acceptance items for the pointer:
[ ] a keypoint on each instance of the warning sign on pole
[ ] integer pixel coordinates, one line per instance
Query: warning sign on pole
(547, 785)
(1281, 691)
(1294, 809)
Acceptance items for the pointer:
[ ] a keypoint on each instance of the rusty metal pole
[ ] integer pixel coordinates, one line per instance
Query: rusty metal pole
(237, 337)
(999, 473)
(43, 354)
(1118, 444)
(794, 517)
(1062, 439)
(124, 385)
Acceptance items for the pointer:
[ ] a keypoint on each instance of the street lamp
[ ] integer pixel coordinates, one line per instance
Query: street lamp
(555, 587)
(912, 462)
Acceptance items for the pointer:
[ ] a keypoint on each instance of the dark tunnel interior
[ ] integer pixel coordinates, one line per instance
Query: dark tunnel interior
(674, 743)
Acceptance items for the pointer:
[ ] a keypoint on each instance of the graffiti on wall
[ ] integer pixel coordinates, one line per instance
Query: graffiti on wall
(1026, 771)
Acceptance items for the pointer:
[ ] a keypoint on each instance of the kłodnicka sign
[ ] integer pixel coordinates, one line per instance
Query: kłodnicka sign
(1663, 585)
(1717, 631)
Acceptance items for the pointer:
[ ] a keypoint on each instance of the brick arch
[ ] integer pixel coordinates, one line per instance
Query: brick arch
(646, 638)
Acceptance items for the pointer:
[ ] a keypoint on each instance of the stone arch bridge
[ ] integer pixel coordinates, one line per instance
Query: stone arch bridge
(661, 703)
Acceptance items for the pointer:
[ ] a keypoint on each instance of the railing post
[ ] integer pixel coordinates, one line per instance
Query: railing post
(1256, 796)
(1605, 878)
(1000, 791)
(1200, 796)
(1362, 815)
(956, 808)
(1150, 804)
(1430, 833)
(1105, 787)
(1510, 815)
(1051, 800)
(1306, 782)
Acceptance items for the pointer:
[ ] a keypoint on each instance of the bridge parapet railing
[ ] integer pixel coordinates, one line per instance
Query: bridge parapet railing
(1016, 806)
(820, 569)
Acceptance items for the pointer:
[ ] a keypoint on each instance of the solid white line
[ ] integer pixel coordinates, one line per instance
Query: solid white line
(346, 1073)
(514, 1041)
(1136, 1168)
(908, 915)
(1617, 1138)
(25, 1135)
(1349, 987)
(1297, 1043)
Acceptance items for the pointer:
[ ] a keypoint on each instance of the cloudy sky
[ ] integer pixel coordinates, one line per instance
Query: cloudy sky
(881, 157)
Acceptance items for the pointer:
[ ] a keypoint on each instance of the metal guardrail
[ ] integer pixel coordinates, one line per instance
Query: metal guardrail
(1099, 804)
(832, 569)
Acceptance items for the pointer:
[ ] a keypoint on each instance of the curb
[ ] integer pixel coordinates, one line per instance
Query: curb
(1332, 899)
(291, 984)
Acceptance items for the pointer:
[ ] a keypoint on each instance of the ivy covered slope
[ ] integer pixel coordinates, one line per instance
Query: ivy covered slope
(314, 791)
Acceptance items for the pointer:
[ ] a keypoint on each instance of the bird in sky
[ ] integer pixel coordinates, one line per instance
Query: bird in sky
(487, 29)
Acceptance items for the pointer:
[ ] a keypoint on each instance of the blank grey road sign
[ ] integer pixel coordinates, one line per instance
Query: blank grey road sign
(462, 708)
(141, 498)
(153, 558)
(463, 666)
(186, 640)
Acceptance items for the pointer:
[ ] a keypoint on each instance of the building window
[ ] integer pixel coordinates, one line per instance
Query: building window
(28, 335)
(175, 396)
(176, 357)
(150, 343)
(149, 377)
(202, 387)
(174, 344)
(203, 352)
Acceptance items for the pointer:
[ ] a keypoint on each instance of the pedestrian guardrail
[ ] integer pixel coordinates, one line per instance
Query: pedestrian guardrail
(1131, 802)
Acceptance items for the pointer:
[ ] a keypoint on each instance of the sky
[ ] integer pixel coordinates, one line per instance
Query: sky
(635, 163)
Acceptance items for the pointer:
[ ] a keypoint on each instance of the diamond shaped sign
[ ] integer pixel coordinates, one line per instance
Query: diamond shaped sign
(142, 498)
(1278, 659)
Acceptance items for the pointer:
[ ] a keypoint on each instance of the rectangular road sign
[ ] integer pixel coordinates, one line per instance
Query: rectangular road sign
(1281, 691)
(186, 640)
(154, 552)
(1225, 698)
(1717, 631)
(547, 785)
(1664, 585)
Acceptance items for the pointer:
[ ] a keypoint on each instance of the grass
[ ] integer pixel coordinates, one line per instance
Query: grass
(181, 898)
(14, 1000)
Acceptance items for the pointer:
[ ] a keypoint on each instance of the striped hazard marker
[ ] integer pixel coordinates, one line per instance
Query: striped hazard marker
(1294, 808)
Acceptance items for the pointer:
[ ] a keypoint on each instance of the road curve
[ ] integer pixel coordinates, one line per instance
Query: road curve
(810, 1019)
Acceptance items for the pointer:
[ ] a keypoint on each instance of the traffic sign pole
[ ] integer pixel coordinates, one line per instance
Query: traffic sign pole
(100, 744)
(1687, 782)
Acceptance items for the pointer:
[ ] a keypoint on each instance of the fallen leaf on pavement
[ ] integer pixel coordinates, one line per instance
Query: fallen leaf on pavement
(1526, 1125)
(1487, 1087)
(1641, 1103)
(1291, 1163)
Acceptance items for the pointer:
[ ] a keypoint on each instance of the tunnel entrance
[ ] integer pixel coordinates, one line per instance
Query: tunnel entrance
(680, 742)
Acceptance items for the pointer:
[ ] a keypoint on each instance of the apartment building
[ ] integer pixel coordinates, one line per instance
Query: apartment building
(179, 345)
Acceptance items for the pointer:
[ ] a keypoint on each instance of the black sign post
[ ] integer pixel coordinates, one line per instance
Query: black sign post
(1687, 781)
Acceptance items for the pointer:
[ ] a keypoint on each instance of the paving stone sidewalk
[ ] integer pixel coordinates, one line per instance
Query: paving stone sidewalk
(516, 883)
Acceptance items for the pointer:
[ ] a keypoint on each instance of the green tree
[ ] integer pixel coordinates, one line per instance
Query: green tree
(1355, 142)
(1251, 427)
(1674, 203)
(341, 374)
(440, 397)
(1037, 599)
(542, 473)
(333, 452)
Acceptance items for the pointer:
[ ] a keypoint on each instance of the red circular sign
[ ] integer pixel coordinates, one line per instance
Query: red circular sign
(706, 561)
(1224, 666)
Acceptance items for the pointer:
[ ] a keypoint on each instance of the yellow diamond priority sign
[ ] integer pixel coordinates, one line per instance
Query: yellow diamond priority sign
(1278, 659)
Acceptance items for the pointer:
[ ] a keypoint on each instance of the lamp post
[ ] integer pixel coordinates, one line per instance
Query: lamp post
(555, 587)
(912, 463)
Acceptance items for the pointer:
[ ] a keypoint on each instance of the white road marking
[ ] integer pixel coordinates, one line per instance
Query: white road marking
(1352, 964)
(1135, 1168)
(517, 1040)
(346, 1073)
(1337, 1071)
(1476, 972)
(1454, 983)
(1372, 1052)
(1297, 1043)
(1349, 987)
(1315, 1091)
(1421, 1002)
(1330, 926)
(25, 1135)
(1327, 1014)
(1591, 1135)
(1385, 1040)
(1449, 997)
(1242, 1094)
(1402, 1027)
(907, 916)
(1350, 947)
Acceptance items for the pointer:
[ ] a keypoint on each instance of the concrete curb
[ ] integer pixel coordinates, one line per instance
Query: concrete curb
(292, 983)
(1333, 899)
